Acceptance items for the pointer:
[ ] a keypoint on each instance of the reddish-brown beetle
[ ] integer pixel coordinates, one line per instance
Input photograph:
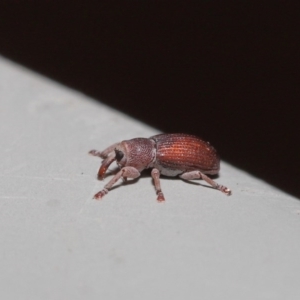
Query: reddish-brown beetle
(168, 154)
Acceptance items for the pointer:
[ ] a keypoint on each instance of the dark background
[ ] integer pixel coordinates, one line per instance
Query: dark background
(226, 71)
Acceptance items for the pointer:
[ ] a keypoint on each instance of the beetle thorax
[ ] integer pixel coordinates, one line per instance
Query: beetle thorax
(140, 153)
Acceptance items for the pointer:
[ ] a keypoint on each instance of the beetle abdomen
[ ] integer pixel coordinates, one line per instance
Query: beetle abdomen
(180, 153)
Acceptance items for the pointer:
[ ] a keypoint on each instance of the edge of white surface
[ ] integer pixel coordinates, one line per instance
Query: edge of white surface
(58, 243)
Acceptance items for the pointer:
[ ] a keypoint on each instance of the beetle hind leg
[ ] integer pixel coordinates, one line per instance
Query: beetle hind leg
(155, 175)
(199, 175)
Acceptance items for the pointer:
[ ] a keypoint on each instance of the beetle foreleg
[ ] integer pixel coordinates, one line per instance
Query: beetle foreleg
(95, 153)
(199, 175)
(105, 152)
(126, 172)
(155, 175)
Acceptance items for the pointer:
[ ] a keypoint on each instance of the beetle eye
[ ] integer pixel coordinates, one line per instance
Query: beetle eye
(119, 154)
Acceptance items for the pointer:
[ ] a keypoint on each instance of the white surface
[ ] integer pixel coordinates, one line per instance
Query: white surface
(56, 242)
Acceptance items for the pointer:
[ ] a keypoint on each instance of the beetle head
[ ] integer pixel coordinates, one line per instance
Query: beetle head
(139, 153)
(118, 154)
(109, 156)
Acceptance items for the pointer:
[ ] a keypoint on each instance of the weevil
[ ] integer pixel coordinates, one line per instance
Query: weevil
(175, 154)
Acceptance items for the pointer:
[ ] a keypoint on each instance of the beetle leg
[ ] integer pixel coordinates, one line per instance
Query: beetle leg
(199, 175)
(155, 175)
(105, 152)
(95, 153)
(126, 172)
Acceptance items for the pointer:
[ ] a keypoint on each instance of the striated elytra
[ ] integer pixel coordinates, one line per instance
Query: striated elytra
(170, 154)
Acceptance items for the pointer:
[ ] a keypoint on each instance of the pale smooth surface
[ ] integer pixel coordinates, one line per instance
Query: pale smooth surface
(56, 242)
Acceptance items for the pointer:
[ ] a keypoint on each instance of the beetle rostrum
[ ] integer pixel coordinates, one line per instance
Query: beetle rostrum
(174, 154)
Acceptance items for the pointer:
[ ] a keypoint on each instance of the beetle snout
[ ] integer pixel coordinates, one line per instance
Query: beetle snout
(105, 164)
